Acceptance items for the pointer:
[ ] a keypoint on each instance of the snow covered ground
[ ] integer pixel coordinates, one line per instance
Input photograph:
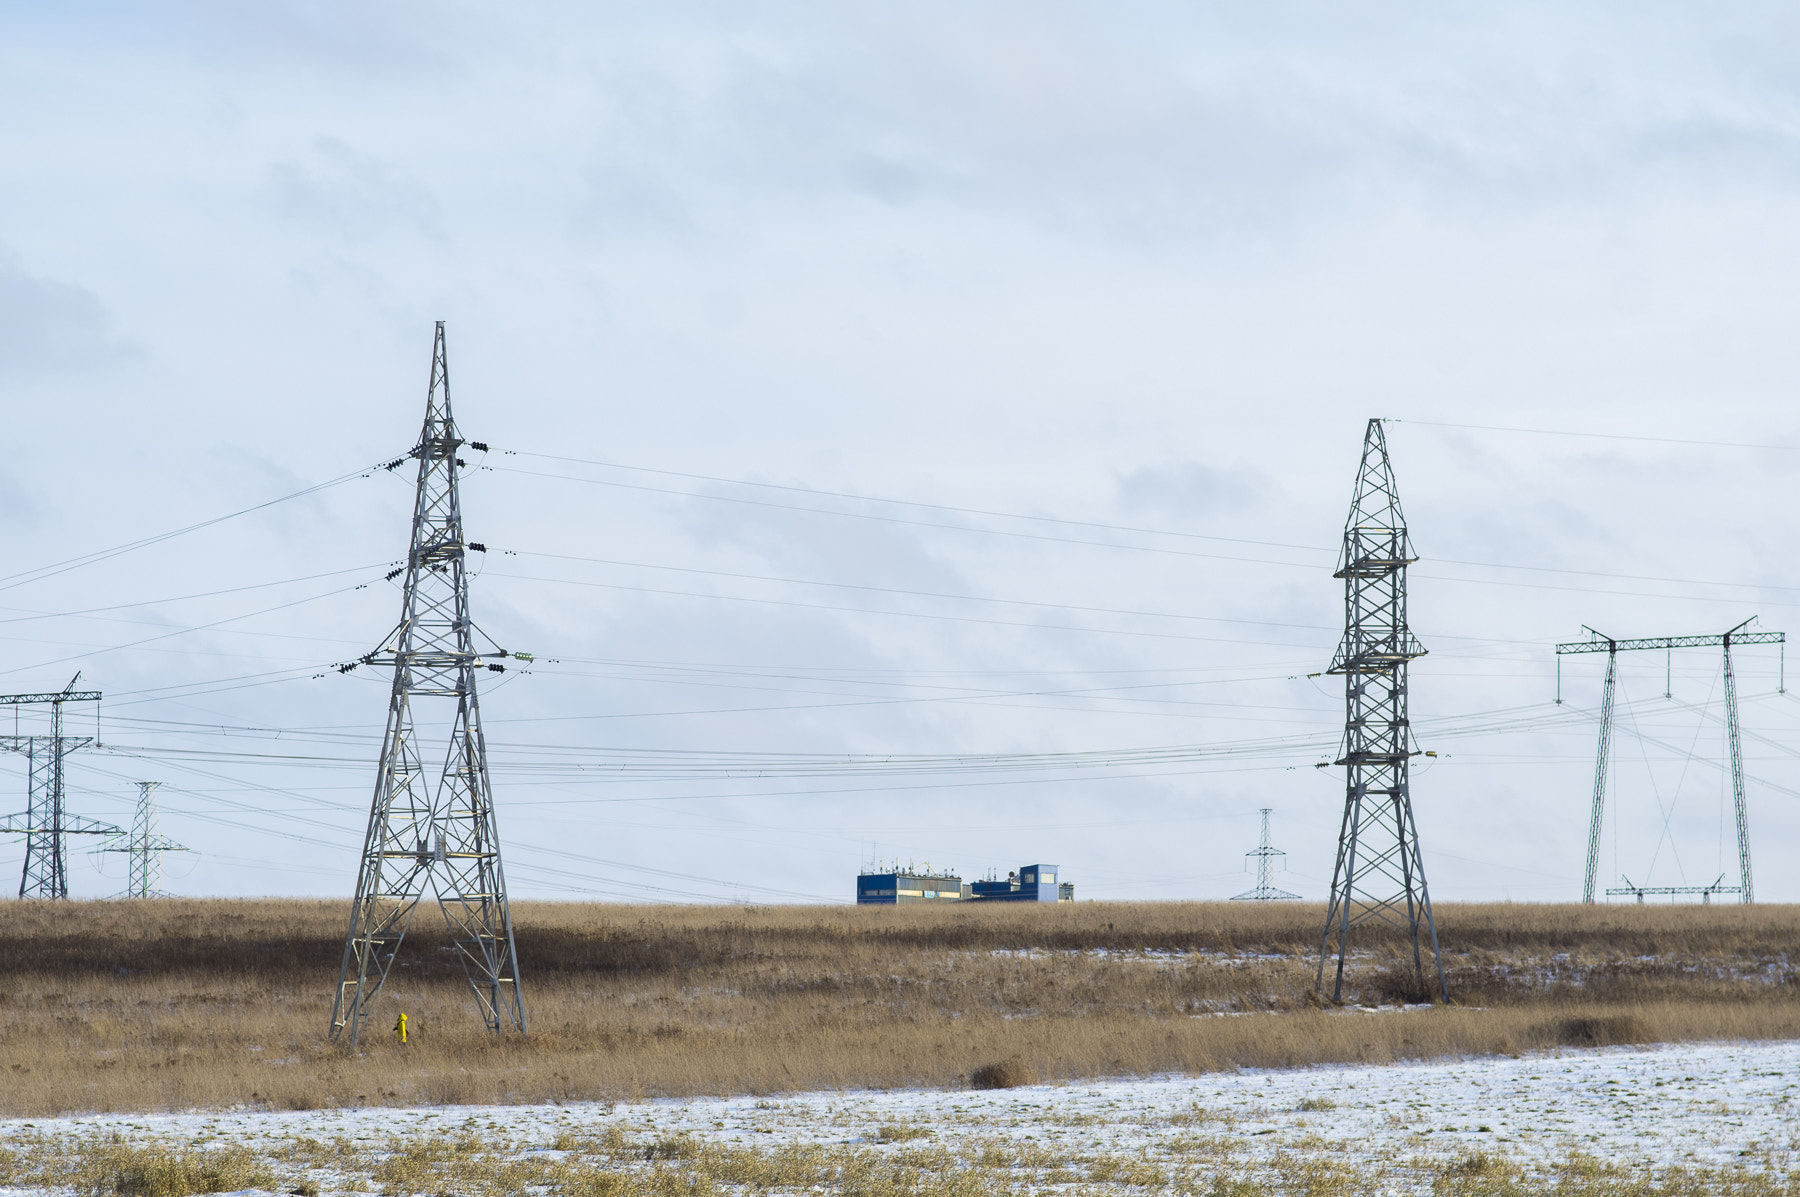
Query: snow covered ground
(1728, 1107)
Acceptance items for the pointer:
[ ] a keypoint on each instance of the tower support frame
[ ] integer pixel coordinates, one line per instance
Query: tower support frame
(1379, 875)
(424, 831)
(46, 823)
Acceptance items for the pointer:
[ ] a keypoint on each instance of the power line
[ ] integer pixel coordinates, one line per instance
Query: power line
(963, 598)
(834, 494)
(182, 631)
(36, 615)
(1608, 436)
(38, 574)
(1074, 522)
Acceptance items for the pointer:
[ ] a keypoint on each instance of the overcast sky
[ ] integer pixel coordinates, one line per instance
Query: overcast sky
(961, 382)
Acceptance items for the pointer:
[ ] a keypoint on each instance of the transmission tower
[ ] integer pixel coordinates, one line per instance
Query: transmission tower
(145, 847)
(1379, 876)
(45, 824)
(1265, 855)
(1599, 642)
(443, 834)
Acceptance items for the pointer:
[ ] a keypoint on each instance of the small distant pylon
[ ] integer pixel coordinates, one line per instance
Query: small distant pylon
(1265, 855)
(145, 847)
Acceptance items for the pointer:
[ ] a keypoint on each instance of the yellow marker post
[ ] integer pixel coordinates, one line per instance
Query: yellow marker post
(400, 1029)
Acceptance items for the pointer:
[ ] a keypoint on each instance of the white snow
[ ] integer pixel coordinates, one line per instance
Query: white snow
(1708, 1104)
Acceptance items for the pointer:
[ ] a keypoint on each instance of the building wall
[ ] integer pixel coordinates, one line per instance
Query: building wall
(895, 889)
(1030, 883)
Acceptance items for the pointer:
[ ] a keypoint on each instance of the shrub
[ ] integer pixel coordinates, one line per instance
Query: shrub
(1007, 1074)
(1399, 982)
(1605, 1031)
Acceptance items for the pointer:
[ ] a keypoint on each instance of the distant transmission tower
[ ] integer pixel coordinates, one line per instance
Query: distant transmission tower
(145, 847)
(1379, 876)
(443, 833)
(1265, 855)
(1599, 642)
(46, 825)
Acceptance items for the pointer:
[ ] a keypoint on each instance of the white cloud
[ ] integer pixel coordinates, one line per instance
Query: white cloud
(1152, 266)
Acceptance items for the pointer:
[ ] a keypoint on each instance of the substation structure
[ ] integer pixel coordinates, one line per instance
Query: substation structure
(1599, 642)
(435, 830)
(46, 824)
(1379, 875)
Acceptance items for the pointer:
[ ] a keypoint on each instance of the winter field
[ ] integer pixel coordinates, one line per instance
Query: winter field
(1689, 1119)
(161, 1049)
(149, 1007)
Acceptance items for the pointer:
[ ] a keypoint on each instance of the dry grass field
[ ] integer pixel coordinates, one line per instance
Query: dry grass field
(175, 1004)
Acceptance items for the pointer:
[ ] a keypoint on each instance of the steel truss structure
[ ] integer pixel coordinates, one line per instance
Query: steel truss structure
(1599, 642)
(145, 847)
(45, 823)
(1705, 891)
(1265, 855)
(1379, 875)
(438, 831)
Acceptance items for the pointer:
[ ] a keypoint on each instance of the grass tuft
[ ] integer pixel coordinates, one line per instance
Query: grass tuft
(116, 1169)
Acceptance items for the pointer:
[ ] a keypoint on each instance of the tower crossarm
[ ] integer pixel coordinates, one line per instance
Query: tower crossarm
(27, 824)
(23, 743)
(13, 700)
(1600, 644)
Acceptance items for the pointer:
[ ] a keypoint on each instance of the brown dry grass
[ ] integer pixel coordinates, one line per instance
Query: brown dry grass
(171, 1004)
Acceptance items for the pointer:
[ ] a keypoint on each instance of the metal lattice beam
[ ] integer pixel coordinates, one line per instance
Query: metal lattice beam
(437, 831)
(54, 696)
(1641, 891)
(1379, 875)
(1600, 643)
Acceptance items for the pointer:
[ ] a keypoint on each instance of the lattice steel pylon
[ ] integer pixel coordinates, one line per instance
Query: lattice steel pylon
(145, 847)
(444, 833)
(46, 824)
(1379, 876)
(1265, 854)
